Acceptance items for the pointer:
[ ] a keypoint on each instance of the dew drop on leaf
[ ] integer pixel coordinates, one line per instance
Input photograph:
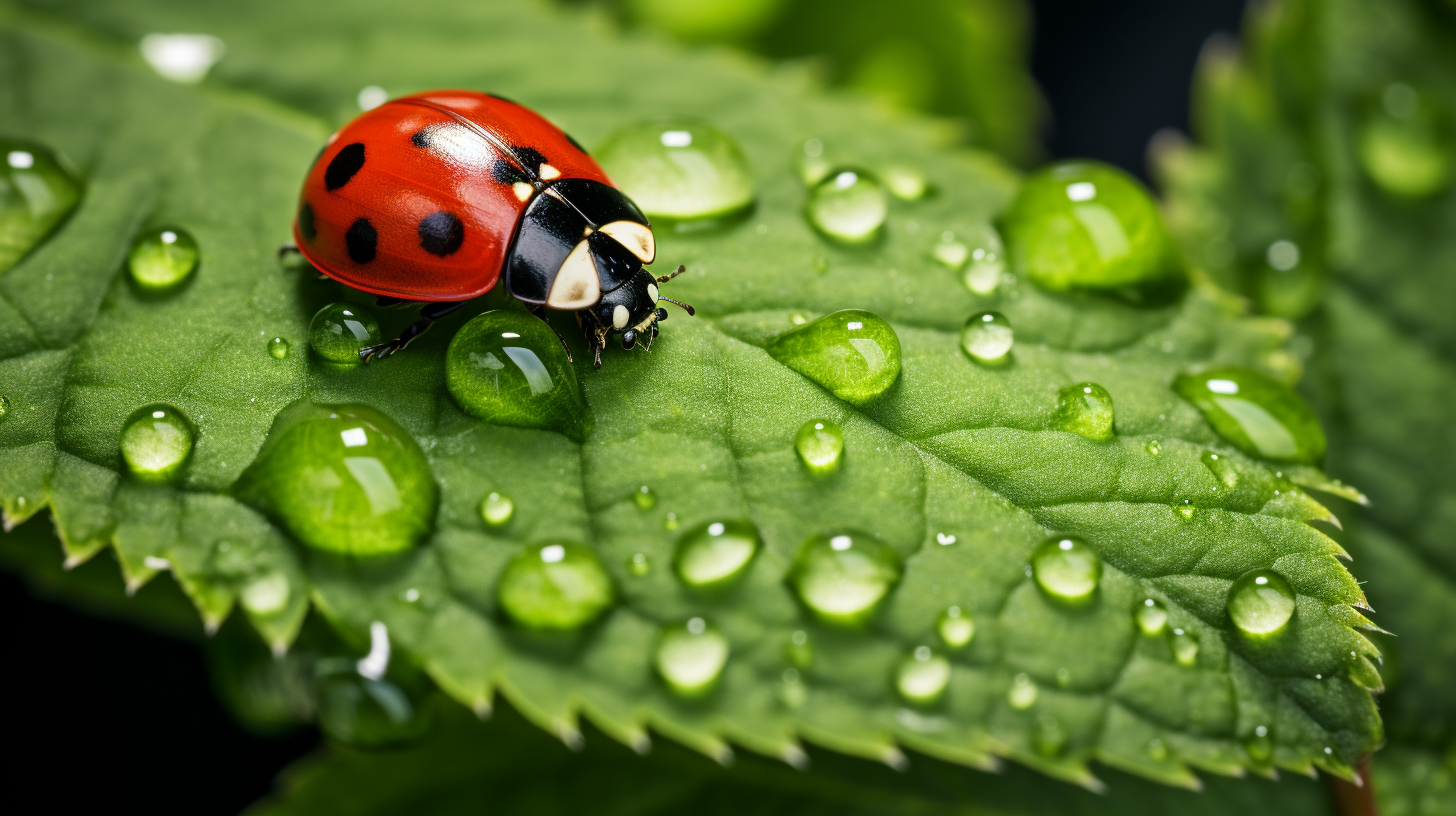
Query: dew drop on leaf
(369, 712)
(956, 627)
(339, 330)
(37, 193)
(4, 406)
(1066, 568)
(1157, 750)
(644, 498)
(843, 577)
(799, 649)
(1401, 144)
(1185, 647)
(1260, 745)
(905, 182)
(922, 676)
(1086, 409)
(853, 353)
(1023, 692)
(792, 692)
(669, 521)
(811, 164)
(1153, 447)
(156, 442)
(267, 594)
(986, 262)
(1256, 413)
(1152, 616)
(1222, 469)
(497, 510)
(987, 338)
(639, 564)
(690, 658)
(1048, 736)
(951, 254)
(679, 169)
(715, 553)
(820, 445)
(555, 586)
(509, 368)
(849, 206)
(162, 258)
(278, 348)
(1261, 602)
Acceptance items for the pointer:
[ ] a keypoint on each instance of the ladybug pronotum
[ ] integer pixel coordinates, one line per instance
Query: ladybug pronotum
(431, 198)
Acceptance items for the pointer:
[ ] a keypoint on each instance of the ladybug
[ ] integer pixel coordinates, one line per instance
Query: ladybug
(432, 198)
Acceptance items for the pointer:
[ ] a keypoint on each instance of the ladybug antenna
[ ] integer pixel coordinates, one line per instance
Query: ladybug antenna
(665, 278)
(690, 310)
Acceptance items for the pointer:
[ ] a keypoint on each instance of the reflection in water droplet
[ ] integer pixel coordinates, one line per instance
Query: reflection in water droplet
(853, 353)
(1261, 602)
(497, 510)
(1066, 568)
(848, 206)
(679, 169)
(842, 578)
(1185, 647)
(1152, 616)
(155, 442)
(554, 585)
(820, 445)
(339, 330)
(987, 338)
(690, 658)
(1023, 692)
(799, 650)
(37, 193)
(343, 478)
(922, 677)
(278, 347)
(1403, 144)
(509, 368)
(713, 554)
(639, 564)
(956, 627)
(1260, 745)
(1222, 469)
(1086, 409)
(644, 498)
(161, 258)
(1258, 414)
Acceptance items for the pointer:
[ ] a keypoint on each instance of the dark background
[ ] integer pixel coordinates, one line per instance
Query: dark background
(104, 716)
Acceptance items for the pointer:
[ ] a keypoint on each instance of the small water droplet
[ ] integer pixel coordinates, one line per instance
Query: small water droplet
(266, 594)
(278, 347)
(639, 564)
(956, 627)
(371, 97)
(554, 585)
(155, 442)
(1153, 447)
(820, 445)
(670, 522)
(843, 577)
(848, 206)
(161, 258)
(644, 498)
(1023, 692)
(1260, 745)
(716, 553)
(853, 353)
(792, 692)
(905, 182)
(339, 330)
(37, 193)
(184, 58)
(1186, 510)
(922, 677)
(1157, 750)
(4, 406)
(690, 658)
(1258, 414)
(1066, 568)
(799, 649)
(1048, 736)
(1261, 602)
(1064, 677)
(1401, 144)
(497, 510)
(1086, 409)
(987, 338)
(509, 368)
(951, 254)
(1222, 469)
(679, 169)
(945, 539)
(1185, 647)
(1152, 616)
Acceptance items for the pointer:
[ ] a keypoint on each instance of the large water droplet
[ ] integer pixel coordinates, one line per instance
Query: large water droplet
(848, 206)
(820, 445)
(1067, 568)
(497, 510)
(1086, 409)
(1404, 146)
(1078, 225)
(690, 658)
(37, 193)
(509, 368)
(555, 585)
(843, 577)
(343, 478)
(1260, 415)
(679, 169)
(161, 258)
(1152, 616)
(1261, 602)
(1023, 692)
(339, 330)
(278, 348)
(853, 353)
(987, 338)
(956, 627)
(922, 676)
(713, 554)
(155, 442)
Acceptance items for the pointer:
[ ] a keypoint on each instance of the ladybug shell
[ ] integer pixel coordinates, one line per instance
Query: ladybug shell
(419, 198)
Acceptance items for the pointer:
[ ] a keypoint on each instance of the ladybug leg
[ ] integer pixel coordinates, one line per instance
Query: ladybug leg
(428, 315)
(540, 311)
(286, 250)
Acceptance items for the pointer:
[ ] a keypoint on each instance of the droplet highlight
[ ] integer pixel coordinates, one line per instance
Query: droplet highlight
(156, 442)
(679, 169)
(555, 586)
(690, 658)
(509, 368)
(1256, 413)
(849, 206)
(987, 338)
(1066, 568)
(714, 554)
(37, 193)
(842, 578)
(853, 353)
(922, 677)
(162, 258)
(1086, 409)
(820, 446)
(339, 330)
(1261, 602)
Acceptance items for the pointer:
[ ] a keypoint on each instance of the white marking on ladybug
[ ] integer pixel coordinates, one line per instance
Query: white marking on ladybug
(635, 237)
(576, 285)
(652, 291)
(548, 172)
(619, 317)
(522, 190)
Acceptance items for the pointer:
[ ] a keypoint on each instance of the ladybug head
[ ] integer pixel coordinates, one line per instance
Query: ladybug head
(631, 309)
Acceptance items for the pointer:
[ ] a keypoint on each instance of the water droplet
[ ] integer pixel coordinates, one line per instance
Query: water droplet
(343, 478)
(509, 368)
(987, 338)
(670, 522)
(690, 658)
(1157, 750)
(1086, 409)
(1153, 447)
(266, 594)
(820, 445)
(922, 677)
(339, 330)
(905, 182)
(370, 712)
(278, 347)
(848, 206)
(945, 539)
(1078, 225)
(1066, 568)
(1064, 677)
(1023, 692)
(155, 442)
(37, 193)
(4, 406)
(644, 498)
(554, 585)
(1048, 736)
(987, 262)
(1222, 469)
(1402, 145)
(792, 692)
(371, 97)
(842, 578)
(1261, 602)
(184, 58)
(679, 169)
(161, 258)
(853, 353)
(1260, 745)
(713, 554)
(1256, 413)
(956, 627)
(951, 254)
(497, 510)
(1185, 647)
(1152, 616)
(799, 649)
(639, 564)
(1186, 510)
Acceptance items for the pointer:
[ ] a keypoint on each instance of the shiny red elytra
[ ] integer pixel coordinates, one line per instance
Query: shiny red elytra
(433, 198)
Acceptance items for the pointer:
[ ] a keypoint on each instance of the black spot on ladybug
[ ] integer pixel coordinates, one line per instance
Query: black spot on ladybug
(575, 143)
(508, 172)
(305, 223)
(344, 165)
(422, 138)
(441, 234)
(361, 240)
(530, 157)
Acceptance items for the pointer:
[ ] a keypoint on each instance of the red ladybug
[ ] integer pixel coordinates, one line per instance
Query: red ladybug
(432, 197)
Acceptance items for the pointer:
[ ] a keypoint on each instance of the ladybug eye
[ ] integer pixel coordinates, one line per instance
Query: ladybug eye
(629, 339)
(636, 237)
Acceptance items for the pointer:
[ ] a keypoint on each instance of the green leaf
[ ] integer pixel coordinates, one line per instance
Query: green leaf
(956, 469)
